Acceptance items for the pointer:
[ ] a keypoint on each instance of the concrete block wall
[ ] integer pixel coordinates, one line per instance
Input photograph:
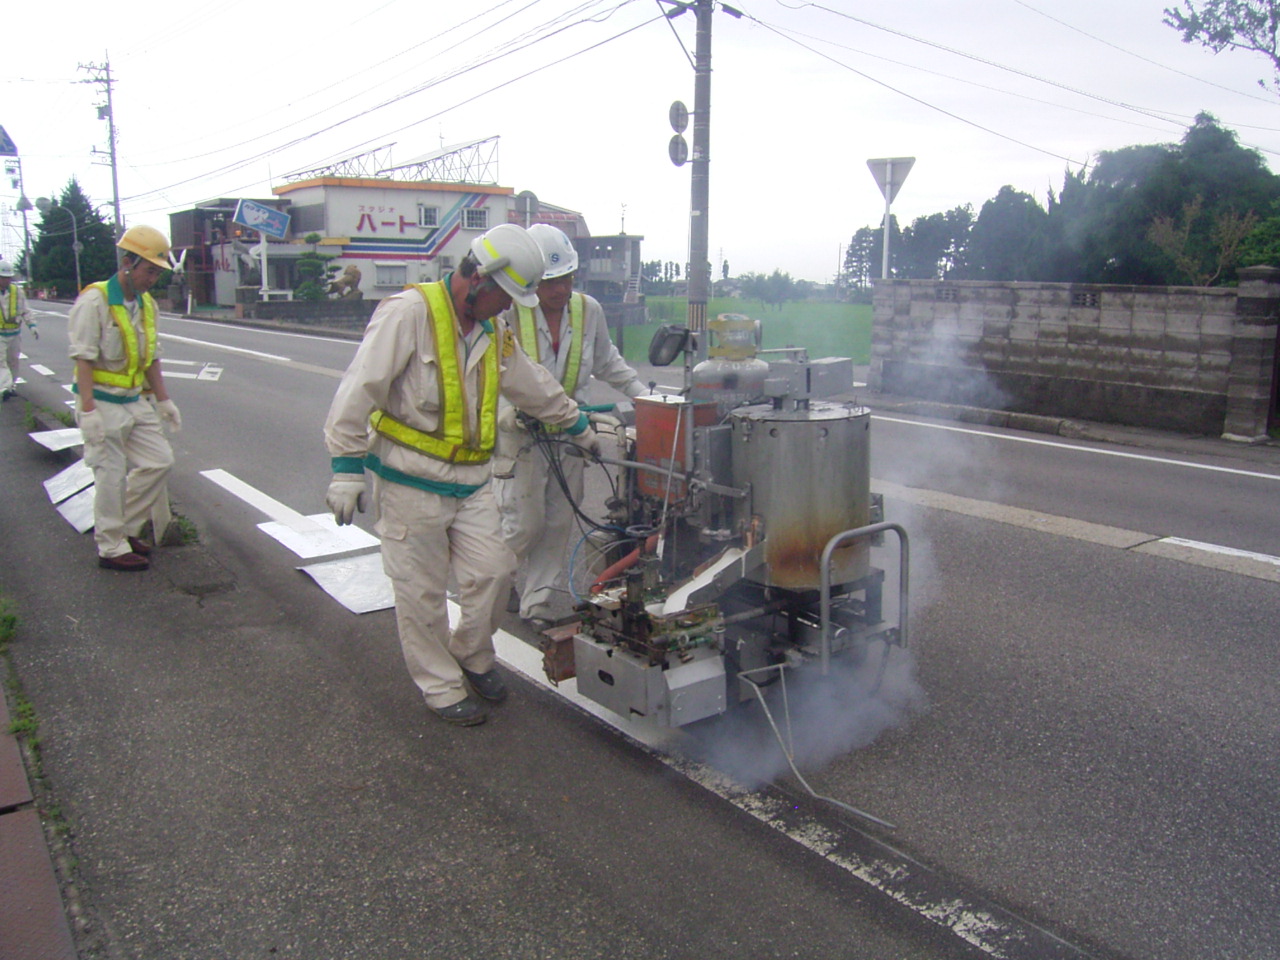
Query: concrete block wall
(1169, 357)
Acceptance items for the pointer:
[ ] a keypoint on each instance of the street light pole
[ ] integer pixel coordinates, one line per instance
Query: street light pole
(44, 205)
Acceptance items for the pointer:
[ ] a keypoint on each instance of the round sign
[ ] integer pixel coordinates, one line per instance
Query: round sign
(678, 150)
(679, 117)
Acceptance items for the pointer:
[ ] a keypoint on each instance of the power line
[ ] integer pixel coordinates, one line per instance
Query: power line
(1154, 63)
(912, 97)
(403, 96)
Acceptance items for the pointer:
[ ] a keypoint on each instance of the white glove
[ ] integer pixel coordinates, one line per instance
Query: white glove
(168, 411)
(92, 427)
(605, 423)
(507, 419)
(346, 496)
(588, 441)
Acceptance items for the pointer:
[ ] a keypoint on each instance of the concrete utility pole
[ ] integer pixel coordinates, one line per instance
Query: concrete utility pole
(699, 272)
(101, 75)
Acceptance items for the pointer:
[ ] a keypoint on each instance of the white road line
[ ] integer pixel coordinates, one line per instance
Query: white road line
(1169, 461)
(256, 498)
(894, 874)
(221, 346)
(271, 333)
(1260, 566)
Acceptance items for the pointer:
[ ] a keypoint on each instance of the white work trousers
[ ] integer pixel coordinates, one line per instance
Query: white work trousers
(537, 521)
(129, 472)
(425, 537)
(12, 351)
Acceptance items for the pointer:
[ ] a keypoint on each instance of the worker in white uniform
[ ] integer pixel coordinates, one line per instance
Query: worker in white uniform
(13, 314)
(418, 408)
(566, 333)
(112, 335)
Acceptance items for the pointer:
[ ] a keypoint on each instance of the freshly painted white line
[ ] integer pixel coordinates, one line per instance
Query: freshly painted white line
(895, 874)
(1169, 461)
(221, 346)
(41, 369)
(257, 499)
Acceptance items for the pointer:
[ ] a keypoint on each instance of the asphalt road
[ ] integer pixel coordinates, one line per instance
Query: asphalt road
(1082, 742)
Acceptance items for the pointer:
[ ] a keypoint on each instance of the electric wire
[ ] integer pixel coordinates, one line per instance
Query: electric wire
(1154, 63)
(912, 97)
(333, 126)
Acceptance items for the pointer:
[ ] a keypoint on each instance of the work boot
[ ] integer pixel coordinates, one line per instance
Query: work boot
(488, 685)
(465, 713)
(126, 562)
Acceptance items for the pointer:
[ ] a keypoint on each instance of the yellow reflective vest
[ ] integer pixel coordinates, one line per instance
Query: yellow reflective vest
(139, 356)
(9, 315)
(573, 363)
(452, 440)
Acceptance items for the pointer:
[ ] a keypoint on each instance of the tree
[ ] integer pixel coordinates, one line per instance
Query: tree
(314, 272)
(1007, 238)
(1173, 237)
(1249, 25)
(859, 263)
(53, 259)
(773, 290)
(933, 246)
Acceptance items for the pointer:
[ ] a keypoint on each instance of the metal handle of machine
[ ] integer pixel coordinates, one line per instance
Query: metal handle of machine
(825, 569)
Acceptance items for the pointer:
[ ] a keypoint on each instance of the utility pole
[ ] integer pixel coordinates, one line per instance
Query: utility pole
(698, 270)
(100, 74)
(698, 278)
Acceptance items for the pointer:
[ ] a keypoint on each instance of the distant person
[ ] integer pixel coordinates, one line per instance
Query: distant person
(418, 408)
(112, 334)
(566, 333)
(13, 314)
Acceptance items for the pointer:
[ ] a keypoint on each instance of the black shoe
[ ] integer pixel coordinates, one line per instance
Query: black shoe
(126, 562)
(464, 713)
(488, 685)
(6, 395)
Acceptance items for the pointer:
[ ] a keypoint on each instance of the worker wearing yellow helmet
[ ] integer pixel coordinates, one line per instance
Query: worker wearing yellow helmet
(13, 314)
(418, 409)
(121, 398)
(565, 331)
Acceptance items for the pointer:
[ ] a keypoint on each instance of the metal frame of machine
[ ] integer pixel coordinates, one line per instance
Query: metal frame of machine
(738, 544)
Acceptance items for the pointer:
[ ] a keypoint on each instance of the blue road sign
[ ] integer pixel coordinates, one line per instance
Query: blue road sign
(257, 216)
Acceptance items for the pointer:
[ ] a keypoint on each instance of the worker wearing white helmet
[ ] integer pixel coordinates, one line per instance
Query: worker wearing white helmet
(13, 314)
(566, 333)
(122, 400)
(418, 409)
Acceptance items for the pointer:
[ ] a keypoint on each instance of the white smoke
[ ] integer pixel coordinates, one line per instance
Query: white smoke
(819, 719)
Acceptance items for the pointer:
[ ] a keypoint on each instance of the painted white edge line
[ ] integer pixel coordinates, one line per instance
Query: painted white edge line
(1146, 458)
(969, 921)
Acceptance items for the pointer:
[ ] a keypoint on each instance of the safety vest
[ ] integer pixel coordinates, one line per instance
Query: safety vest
(452, 440)
(529, 340)
(9, 317)
(137, 360)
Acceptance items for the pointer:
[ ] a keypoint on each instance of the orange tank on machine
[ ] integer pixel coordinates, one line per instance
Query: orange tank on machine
(661, 438)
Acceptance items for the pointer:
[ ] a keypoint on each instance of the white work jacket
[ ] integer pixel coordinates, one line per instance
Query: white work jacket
(600, 358)
(395, 370)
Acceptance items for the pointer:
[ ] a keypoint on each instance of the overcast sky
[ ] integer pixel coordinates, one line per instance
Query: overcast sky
(224, 98)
